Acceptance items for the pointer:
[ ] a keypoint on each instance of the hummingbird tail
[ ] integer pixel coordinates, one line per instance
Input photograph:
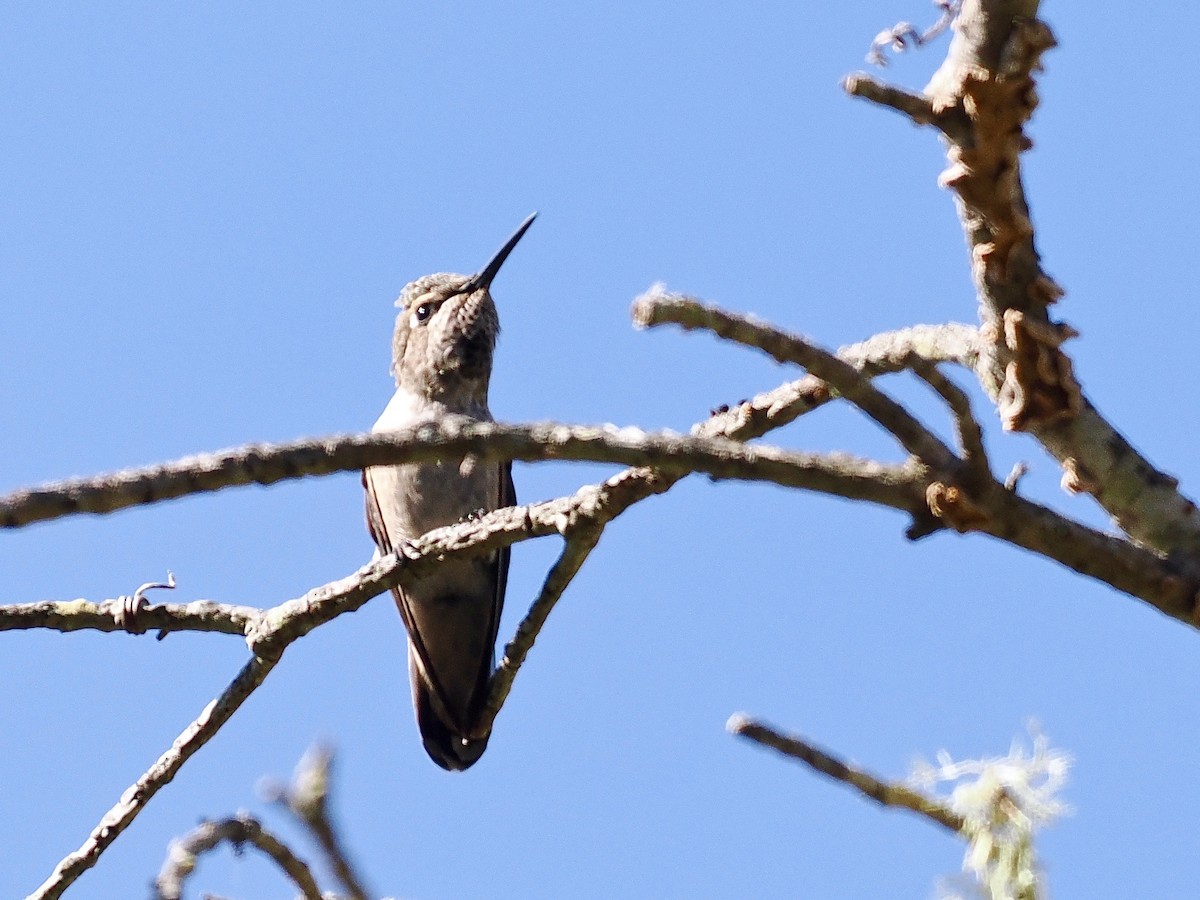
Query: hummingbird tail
(445, 746)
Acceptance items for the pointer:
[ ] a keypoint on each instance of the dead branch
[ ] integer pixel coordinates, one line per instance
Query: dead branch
(883, 792)
(239, 831)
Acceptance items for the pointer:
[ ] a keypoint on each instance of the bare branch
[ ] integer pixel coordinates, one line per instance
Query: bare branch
(184, 853)
(267, 464)
(450, 437)
(658, 307)
(117, 819)
(981, 98)
(1167, 584)
(890, 351)
(885, 793)
(80, 615)
(580, 541)
(966, 428)
(918, 108)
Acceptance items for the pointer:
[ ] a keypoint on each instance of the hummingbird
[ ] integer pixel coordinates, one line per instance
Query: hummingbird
(442, 353)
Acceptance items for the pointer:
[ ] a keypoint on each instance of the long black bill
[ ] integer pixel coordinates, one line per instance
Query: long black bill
(483, 280)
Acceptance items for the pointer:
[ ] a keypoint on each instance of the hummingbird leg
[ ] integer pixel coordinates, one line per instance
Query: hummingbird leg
(474, 515)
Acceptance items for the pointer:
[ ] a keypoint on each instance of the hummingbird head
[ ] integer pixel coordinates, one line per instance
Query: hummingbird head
(446, 330)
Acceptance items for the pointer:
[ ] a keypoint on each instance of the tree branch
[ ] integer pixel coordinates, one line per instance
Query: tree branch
(79, 615)
(117, 819)
(658, 307)
(454, 436)
(885, 793)
(580, 541)
(981, 97)
(966, 428)
(916, 107)
(308, 799)
(184, 853)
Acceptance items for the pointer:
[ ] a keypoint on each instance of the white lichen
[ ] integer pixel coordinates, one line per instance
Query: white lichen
(1003, 802)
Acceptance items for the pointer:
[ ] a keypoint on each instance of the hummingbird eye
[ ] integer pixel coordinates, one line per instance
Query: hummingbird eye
(423, 312)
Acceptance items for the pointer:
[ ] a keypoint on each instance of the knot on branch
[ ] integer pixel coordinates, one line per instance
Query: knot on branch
(954, 506)
(1039, 381)
(996, 103)
(1076, 479)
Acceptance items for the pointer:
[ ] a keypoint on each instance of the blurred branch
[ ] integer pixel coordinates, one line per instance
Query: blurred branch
(184, 853)
(996, 805)
(917, 107)
(308, 799)
(117, 819)
(905, 35)
(885, 793)
(966, 427)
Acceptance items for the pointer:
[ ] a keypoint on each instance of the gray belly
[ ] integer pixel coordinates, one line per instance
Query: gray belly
(417, 498)
(414, 499)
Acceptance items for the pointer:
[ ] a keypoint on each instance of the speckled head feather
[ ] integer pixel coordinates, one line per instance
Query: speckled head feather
(445, 336)
(446, 330)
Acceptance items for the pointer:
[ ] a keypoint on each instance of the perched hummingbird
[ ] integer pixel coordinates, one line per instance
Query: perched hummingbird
(442, 360)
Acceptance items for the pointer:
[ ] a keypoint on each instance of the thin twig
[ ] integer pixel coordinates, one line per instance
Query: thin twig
(966, 427)
(917, 107)
(1013, 480)
(886, 793)
(659, 307)
(578, 545)
(117, 819)
(184, 853)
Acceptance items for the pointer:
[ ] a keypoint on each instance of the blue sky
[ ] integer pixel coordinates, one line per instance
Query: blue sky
(207, 214)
